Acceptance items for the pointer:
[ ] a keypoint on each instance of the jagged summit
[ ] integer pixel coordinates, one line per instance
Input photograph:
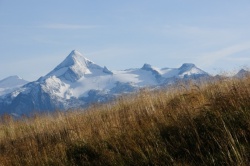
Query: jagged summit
(187, 66)
(242, 73)
(74, 58)
(74, 67)
(188, 69)
(146, 66)
(149, 67)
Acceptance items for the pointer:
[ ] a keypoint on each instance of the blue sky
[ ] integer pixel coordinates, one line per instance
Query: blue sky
(35, 35)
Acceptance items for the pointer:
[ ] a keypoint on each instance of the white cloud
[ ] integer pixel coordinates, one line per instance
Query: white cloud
(207, 59)
(199, 32)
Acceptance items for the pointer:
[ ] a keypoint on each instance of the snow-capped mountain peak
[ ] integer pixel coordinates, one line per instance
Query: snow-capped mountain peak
(156, 72)
(187, 66)
(146, 66)
(12, 81)
(74, 67)
(74, 58)
(149, 67)
(188, 69)
(78, 82)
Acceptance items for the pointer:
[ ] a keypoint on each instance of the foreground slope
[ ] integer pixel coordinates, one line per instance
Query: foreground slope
(207, 124)
(77, 82)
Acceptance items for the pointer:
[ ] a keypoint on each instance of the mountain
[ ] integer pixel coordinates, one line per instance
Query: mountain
(242, 73)
(78, 82)
(74, 67)
(11, 83)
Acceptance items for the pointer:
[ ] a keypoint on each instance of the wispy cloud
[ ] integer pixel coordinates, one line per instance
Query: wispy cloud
(68, 26)
(199, 32)
(239, 59)
(53, 26)
(210, 58)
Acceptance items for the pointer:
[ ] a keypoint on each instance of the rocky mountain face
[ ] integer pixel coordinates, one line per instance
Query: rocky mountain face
(78, 82)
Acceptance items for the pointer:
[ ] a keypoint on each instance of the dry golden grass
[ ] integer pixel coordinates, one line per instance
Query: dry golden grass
(207, 124)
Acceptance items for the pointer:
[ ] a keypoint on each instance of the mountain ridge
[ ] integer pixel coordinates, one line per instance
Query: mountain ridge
(78, 82)
(11, 83)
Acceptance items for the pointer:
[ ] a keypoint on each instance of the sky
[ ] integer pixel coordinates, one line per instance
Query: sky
(35, 36)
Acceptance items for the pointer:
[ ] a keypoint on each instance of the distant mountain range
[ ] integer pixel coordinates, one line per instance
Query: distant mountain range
(77, 82)
(10, 84)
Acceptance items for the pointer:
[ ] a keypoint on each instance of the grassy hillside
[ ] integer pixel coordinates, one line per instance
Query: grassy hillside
(183, 125)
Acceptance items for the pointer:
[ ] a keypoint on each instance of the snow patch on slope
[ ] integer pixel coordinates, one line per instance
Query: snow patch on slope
(55, 86)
